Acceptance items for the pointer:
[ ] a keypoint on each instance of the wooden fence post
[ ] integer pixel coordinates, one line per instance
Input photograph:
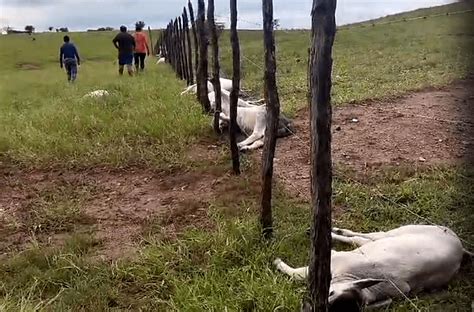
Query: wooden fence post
(159, 44)
(234, 94)
(196, 43)
(182, 51)
(177, 44)
(202, 76)
(151, 41)
(211, 23)
(171, 46)
(273, 112)
(188, 46)
(323, 32)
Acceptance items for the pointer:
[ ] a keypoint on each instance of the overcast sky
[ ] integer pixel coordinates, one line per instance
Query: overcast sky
(83, 14)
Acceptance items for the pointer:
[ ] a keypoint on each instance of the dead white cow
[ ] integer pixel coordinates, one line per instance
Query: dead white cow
(400, 262)
(161, 60)
(251, 118)
(226, 84)
(96, 94)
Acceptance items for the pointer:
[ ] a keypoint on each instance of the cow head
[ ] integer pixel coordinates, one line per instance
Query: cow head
(347, 296)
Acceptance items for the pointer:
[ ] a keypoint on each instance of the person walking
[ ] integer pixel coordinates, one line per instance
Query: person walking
(69, 58)
(125, 44)
(141, 47)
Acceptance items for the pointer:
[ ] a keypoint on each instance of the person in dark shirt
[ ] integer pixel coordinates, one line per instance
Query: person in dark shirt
(125, 44)
(69, 57)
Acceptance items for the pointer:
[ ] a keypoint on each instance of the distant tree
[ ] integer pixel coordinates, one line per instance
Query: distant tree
(29, 28)
(50, 28)
(109, 28)
(140, 24)
(57, 29)
(63, 29)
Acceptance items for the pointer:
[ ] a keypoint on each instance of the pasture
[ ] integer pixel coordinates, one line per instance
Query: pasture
(127, 202)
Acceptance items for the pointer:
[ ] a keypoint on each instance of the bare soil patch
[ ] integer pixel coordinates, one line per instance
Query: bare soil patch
(431, 127)
(28, 66)
(118, 206)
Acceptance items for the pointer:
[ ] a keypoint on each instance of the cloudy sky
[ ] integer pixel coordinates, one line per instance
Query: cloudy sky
(83, 14)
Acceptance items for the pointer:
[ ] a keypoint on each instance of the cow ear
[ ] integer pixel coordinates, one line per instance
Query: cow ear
(366, 283)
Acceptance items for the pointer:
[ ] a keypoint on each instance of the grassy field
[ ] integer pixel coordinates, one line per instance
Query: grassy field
(44, 122)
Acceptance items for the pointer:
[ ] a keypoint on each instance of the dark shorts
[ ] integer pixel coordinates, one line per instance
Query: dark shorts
(126, 59)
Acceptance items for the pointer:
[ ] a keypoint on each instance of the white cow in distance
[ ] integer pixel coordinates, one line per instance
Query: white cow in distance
(226, 84)
(251, 119)
(386, 265)
(97, 94)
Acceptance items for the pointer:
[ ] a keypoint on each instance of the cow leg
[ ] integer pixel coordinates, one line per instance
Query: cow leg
(296, 273)
(257, 144)
(258, 130)
(349, 233)
(248, 141)
(358, 241)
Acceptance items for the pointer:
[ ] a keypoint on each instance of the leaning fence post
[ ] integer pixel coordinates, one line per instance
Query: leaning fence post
(273, 112)
(151, 40)
(234, 94)
(182, 51)
(177, 44)
(215, 66)
(323, 32)
(188, 46)
(203, 62)
(196, 43)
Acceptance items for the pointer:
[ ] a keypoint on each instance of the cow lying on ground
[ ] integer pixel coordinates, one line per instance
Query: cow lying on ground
(96, 94)
(226, 84)
(251, 119)
(403, 261)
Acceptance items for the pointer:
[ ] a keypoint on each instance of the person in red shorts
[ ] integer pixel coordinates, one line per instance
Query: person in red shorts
(141, 48)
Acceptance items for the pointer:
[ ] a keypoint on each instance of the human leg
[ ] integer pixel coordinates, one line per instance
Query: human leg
(68, 70)
(73, 71)
(137, 60)
(142, 61)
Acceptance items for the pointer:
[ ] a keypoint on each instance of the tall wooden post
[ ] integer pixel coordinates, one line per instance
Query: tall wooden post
(202, 76)
(196, 44)
(273, 112)
(188, 46)
(323, 33)
(171, 45)
(211, 23)
(159, 44)
(151, 41)
(234, 94)
(177, 45)
(182, 51)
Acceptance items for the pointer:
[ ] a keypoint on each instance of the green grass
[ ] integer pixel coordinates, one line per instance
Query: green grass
(230, 268)
(45, 122)
(371, 62)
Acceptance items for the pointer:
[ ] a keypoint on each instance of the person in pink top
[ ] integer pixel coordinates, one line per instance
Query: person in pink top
(141, 48)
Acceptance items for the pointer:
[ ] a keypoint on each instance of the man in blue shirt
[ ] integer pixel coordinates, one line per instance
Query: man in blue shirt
(70, 58)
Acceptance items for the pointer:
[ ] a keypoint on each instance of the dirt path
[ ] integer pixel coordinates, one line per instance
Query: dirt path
(119, 207)
(425, 128)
